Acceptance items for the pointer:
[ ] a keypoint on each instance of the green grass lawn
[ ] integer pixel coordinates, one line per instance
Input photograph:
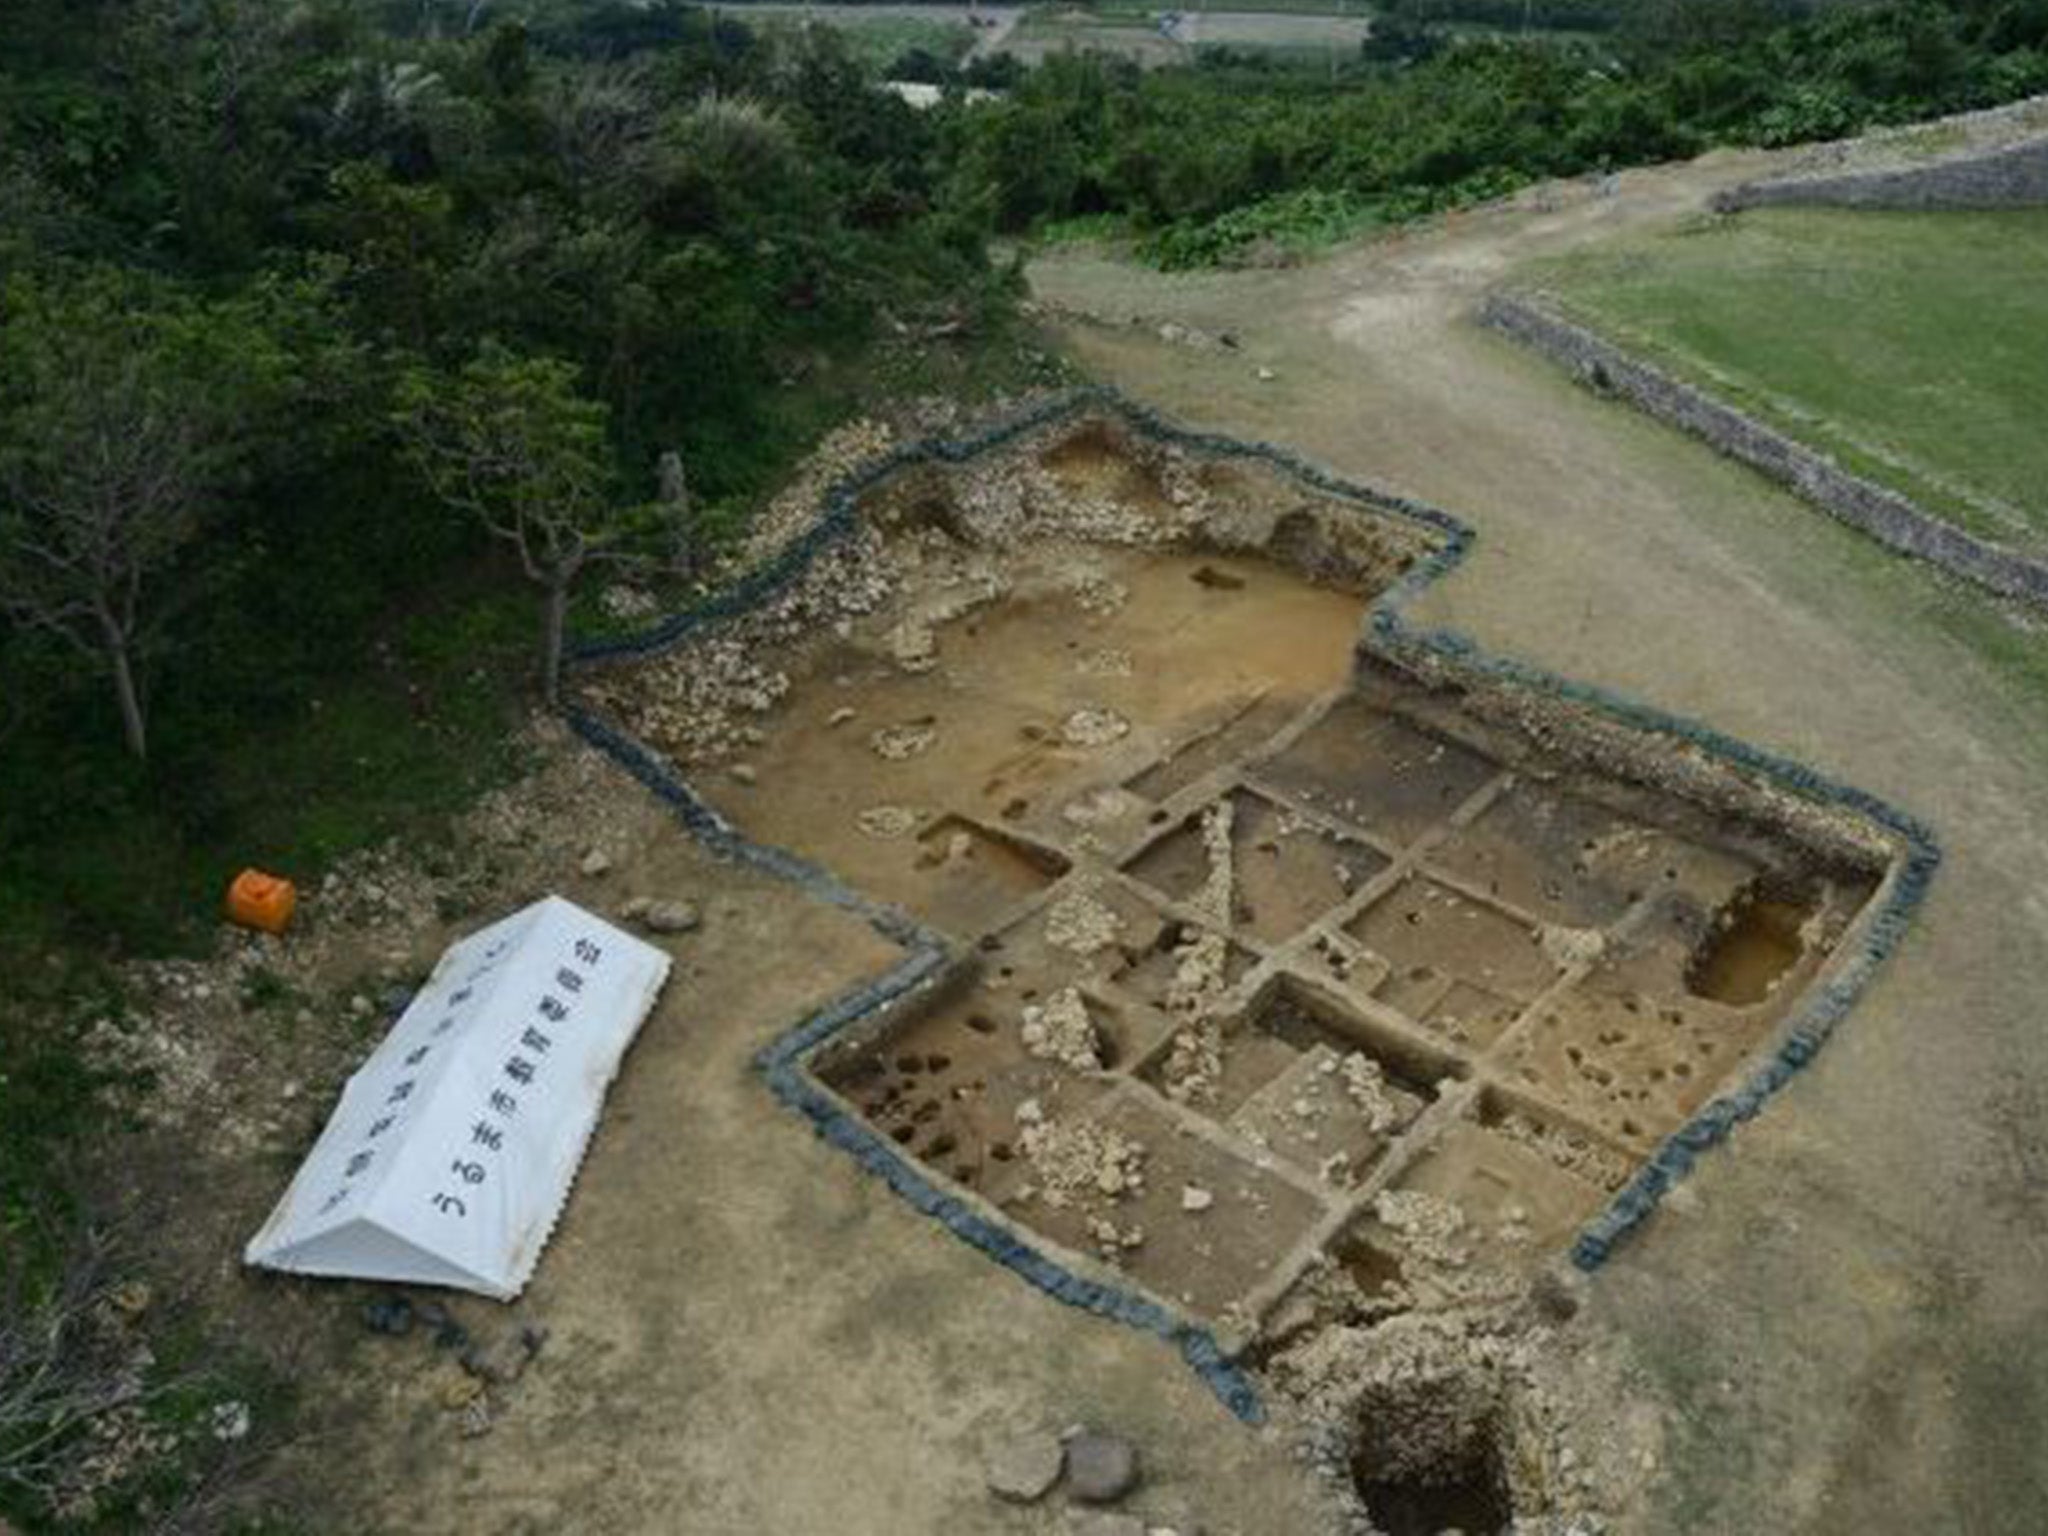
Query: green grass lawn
(1911, 346)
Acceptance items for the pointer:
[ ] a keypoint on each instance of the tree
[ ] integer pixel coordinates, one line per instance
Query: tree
(513, 442)
(117, 436)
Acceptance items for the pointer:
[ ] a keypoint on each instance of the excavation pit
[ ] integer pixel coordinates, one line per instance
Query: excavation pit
(1262, 951)
(1458, 1485)
(1289, 871)
(1755, 941)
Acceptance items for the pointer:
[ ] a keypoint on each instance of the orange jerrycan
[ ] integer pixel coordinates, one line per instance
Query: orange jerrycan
(265, 902)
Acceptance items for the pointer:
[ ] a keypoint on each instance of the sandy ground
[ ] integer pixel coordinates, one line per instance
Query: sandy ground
(1842, 1310)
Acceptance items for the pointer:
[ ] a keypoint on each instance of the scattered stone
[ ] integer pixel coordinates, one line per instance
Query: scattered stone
(1267, 375)
(476, 1418)
(500, 1363)
(1102, 805)
(1060, 1030)
(1101, 1468)
(596, 864)
(1216, 900)
(620, 601)
(1092, 727)
(458, 1389)
(1107, 662)
(744, 773)
(672, 917)
(887, 822)
(1077, 1162)
(230, 1421)
(840, 716)
(439, 1323)
(896, 743)
(131, 1298)
(1081, 924)
(1366, 1084)
(1558, 1293)
(633, 909)
(1193, 1198)
(1023, 1470)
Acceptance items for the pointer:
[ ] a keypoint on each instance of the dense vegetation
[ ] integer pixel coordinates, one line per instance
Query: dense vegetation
(267, 271)
(1211, 161)
(229, 233)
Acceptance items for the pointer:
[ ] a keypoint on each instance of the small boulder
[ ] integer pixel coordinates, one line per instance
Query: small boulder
(440, 1325)
(1023, 1470)
(1557, 1293)
(596, 864)
(1193, 1198)
(457, 1389)
(744, 773)
(131, 1298)
(230, 1421)
(672, 917)
(1101, 1468)
(505, 1360)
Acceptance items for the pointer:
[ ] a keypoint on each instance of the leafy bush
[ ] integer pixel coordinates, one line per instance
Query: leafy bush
(1211, 162)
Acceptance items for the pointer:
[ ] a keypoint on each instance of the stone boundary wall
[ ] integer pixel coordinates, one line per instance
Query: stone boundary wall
(2012, 177)
(1883, 514)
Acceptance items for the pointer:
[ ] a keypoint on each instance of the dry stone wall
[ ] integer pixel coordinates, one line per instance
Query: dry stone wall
(1881, 513)
(2012, 177)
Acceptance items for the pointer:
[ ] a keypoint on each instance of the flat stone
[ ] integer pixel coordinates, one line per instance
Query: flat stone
(1023, 1470)
(1103, 1522)
(1101, 1468)
(672, 917)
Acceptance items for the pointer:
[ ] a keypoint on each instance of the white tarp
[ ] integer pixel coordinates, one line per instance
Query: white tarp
(452, 1150)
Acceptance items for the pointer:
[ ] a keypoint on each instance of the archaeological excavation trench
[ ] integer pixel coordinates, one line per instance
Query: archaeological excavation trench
(1290, 980)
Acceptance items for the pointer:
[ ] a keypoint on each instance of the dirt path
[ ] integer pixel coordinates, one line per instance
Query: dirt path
(1842, 1310)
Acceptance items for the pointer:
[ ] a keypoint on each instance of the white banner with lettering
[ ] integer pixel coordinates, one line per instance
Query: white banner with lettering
(452, 1150)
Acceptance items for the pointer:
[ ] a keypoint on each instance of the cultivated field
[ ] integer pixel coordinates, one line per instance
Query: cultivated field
(1908, 345)
(1296, 27)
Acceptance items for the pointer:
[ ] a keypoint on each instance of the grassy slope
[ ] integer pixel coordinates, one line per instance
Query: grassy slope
(1907, 344)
